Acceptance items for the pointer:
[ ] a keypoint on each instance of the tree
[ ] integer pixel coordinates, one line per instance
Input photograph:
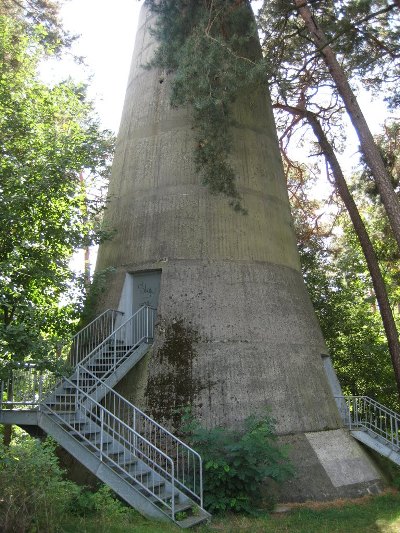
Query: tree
(339, 285)
(363, 237)
(48, 135)
(43, 14)
(309, 92)
(344, 33)
(221, 35)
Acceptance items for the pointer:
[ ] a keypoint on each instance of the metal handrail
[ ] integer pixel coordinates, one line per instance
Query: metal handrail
(92, 334)
(134, 444)
(26, 386)
(38, 383)
(366, 413)
(188, 462)
(187, 472)
(133, 331)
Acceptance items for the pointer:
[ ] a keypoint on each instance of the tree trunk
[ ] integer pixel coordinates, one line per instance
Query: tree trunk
(7, 434)
(365, 242)
(367, 143)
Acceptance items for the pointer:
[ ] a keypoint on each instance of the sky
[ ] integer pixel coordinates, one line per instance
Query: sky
(107, 34)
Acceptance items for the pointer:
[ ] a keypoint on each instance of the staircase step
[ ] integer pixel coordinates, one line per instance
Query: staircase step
(61, 409)
(77, 418)
(186, 506)
(125, 462)
(191, 521)
(155, 487)
(165, 497)
(136, 473)
(86, 432)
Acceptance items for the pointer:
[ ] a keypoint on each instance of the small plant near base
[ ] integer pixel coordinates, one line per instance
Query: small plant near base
(195, 511)
(237, 462)
(181, 515)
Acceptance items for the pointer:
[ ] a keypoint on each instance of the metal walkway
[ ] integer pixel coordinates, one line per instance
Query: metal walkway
(372, 423)
(145, 464)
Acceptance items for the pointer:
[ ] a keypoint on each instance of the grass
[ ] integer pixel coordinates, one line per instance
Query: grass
(373, 514)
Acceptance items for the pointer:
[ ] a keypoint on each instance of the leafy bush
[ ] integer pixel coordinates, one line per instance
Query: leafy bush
(102, 503)
(34, 496)
(237, 463)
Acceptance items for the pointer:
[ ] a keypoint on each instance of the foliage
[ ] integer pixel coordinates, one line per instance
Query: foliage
(213, 51)
(237, 462)
(42, 15)
(341, 291)
(102, 503)
(363, 34)
(34, 495)
(339, 284)
(49, 135)
(364, 39)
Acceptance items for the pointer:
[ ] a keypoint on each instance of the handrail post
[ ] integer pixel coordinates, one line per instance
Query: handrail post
(201, 482)
(101, 433)
(173, 491)
(115, 351)
(391, 430)
(40, 389)
(77, 387)
(135, 433)
(147, 324)
(75, 355)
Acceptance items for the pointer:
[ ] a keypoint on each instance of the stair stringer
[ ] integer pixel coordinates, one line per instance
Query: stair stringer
(373, 441)
(102, 471)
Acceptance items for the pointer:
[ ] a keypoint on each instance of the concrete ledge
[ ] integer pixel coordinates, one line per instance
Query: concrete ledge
(19, 417)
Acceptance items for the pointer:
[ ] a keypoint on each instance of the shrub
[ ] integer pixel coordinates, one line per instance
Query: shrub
(34, 496)
(103, 504)
(237, 463)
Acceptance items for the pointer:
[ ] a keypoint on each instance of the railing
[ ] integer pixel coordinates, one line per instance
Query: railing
(114, 421)
(25, 386)
(363, 412)
(187, 462)
(106, 431)
(122, 341)
(28, 385)
(92, 335)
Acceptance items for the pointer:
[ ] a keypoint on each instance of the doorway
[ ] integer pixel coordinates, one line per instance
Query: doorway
(145, 289)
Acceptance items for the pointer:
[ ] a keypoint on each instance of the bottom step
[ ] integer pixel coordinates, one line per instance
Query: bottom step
(193, 520)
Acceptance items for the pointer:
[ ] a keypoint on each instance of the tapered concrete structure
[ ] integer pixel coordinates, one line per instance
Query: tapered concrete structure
(236, 330)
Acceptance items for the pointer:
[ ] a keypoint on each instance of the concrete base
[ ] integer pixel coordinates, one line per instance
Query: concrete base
(328, 465)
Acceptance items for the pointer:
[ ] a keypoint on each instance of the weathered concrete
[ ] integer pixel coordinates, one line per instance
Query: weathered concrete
(329, 465)
(236, 330)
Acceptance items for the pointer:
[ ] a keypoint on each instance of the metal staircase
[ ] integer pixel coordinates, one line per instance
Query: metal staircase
(372, 423)
(144, 463)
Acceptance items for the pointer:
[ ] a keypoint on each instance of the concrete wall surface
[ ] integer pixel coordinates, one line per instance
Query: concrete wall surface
(236, 332)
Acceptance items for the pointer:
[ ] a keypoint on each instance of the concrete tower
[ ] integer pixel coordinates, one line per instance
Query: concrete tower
(236, 330)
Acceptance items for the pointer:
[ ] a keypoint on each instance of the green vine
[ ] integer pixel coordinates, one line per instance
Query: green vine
(211, 47)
